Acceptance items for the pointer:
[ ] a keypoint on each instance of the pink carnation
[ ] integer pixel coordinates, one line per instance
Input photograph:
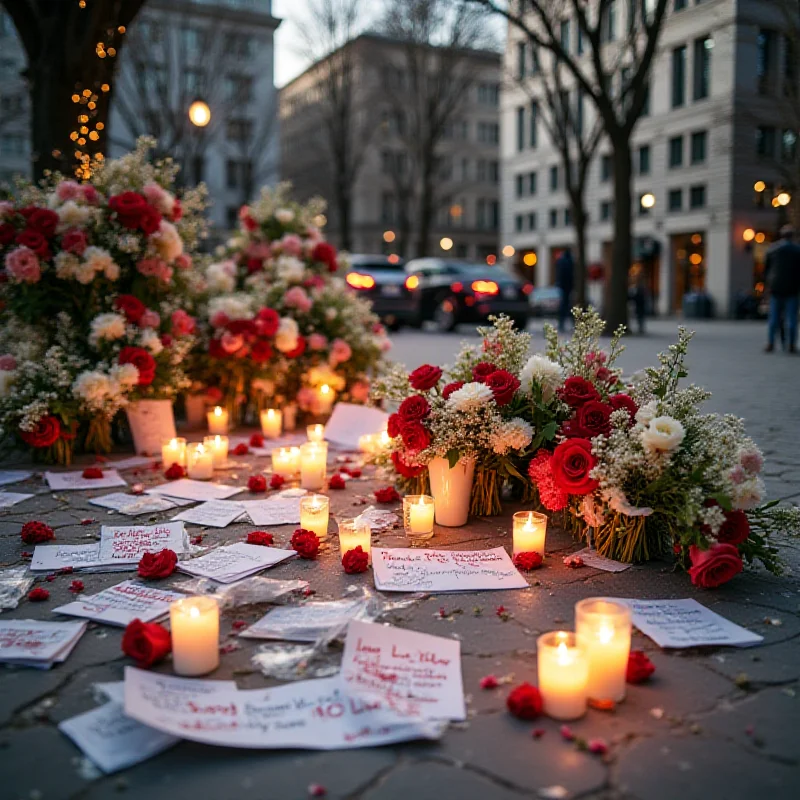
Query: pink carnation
(231, 342)
(314, 282)
(385, 345)
(340, 352)
(752, 461)
(306, 398)
(23, 266)
(150, 319)
(155, 195)
(183, 261)
(359, 391)
(316, 341)
(258, 250)
(182, 323)
(90, 194)
(291, 244)
(68, 190)
(155, 268)
(540, 471)
(74, 241)
(297, 298)
(8, 362)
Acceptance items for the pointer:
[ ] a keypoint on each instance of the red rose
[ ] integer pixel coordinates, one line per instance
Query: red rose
(241, 450)
(146, 643)
(504, 386)
(158, 565)
(451, 387)
(92, 473)
(640, 667)
(35, 532)
(525, 701)
(242, 327)
(276, 481)
(174, 472)
(480, 372)
(337, 482)
(44, 220)
(129, 207)
(131, 307)
(591, 419)
(268, 321)
(425, 377)
(577, 391)
(7, 233)
(394, 425)
(38, 595)
(571, 464)
(74, 241)
(355, 561)
(76, 587)
(326, 254)
(177, 211)
(254, 265)
(735, 529)
(261, 538)
(414, 408)
(415, 437)
(142, 360)
(256, 440)
(257, 483)
(387, 495)
(406, 470)
(715, 566)
(306, 543)
(34, 240)
(528, 560)
(47, 431)
(299, 350)
(261, 351)
(215, 349)
(620, 400)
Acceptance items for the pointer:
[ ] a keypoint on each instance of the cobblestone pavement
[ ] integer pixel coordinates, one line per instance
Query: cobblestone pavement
(718, 723)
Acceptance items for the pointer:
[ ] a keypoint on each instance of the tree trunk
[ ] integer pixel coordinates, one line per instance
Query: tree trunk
(344, 209)
(425, 213)
(580, 222)
(616, 310)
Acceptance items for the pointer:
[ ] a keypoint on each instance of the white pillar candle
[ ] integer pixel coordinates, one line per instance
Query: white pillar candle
(313, 465)
(271, 423)
(563, 675)
(315, 433)
(173, 451)
(530, 529)
(194, 624)
(286, 461)
(418, 517)
(314, 513)
(355, 533)
(326, 396)
(218, 420)
(218, 447)
(199, 462)
(603, 628)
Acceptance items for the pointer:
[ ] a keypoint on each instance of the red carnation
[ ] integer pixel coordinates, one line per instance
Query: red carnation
(92, 473)
(256, 440)
(387, 495)
(591, 419)
(337, 482)
(451, 387)
(74, 241)
(276, 481)
(394, 425)
(38, 595)
(640, 667)
(577, 391)
(415, 436)
(241, 449)
(7, 233)
(480, 372)
(131, 307)
(735, 529)
(298, 350)
(267, 321)
(404, 469)
(177, 210)
(158, 565)
(174, 472)
(306, 543)
(129, 207)
(254, 265)
(35, 532)
(142, 360)
(525, 702)
(528, 561)
(146, 643)
(355, 561)
(261, 351)
(424, 377)
(414, 408)
(715, 566)
(242, 327)
(46, 432)
(571, 464)
(504, 386)
(35, 241)
(620, 400)
(257, 483)
(44, 220)
(76, 587)
(326, 254)
(261, 538)
(149, 220)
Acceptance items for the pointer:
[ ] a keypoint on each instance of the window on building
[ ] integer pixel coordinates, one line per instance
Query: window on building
(494, 214)
(232, 217)
(676, 152)
(489, 132)
(518, 220)
(534, 133)
(765, 141)
(565, 35)
(697, 197)
(387, 207)
(494, 171)
(531, 183)
(240, 130)
(554, 178)
(644, 159)
(488, 94)
(238, 174)
(605, 210)
(698, 147)
(608, 28)
(788, 145)
(198, 169)
(534, 59)
(13, 144)
(462, 250)
(675, 200)
(789, 67)
(238, 88)
(12, 104)
(702, 67)
(553, 217)
(606, 168)
(521, 128)
(520, 181)
(679, 5)
(464, 169)
(567, 217)
(522, 54)
(679, 76)
(765, 58)
(532, 221)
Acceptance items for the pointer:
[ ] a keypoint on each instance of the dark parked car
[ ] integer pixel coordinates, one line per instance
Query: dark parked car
(381, 279)
(451, 292)
(545, 301)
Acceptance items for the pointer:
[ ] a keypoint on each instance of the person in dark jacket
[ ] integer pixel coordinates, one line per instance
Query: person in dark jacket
(782, 276)
(565, 279)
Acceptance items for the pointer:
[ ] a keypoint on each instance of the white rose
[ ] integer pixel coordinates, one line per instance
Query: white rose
(663, 435)
(97, 259)
(91, 387)
(126, 375)
(67, 264)
(167, 241)
(646, 413)
(470, 397)
(71, 215)
(284, 215)
(234, 306)
(544, 372)
(84, 273)
(108, 327)
(219, 278)
(150, 340)
(112, 271)
(6, 380)
(748, 495)
(287, 335)
(289, 268)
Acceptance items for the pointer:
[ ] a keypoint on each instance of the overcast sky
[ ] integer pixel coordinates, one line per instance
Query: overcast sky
(288, 60)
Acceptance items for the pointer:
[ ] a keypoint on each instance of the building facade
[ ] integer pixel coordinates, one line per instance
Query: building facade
(466, 220)
(713, 132)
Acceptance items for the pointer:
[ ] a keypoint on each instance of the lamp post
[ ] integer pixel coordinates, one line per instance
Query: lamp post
(199, 113)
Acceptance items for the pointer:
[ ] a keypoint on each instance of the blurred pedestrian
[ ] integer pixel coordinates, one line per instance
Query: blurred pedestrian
(637, 291)
(782, 276)
(565, 280)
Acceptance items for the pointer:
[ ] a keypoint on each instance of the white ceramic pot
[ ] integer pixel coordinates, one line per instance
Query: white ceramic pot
(152, 422)
(451, 490)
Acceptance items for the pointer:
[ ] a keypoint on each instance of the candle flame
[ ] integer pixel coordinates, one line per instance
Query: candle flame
(218, 411)
(270, 412)
(217, 440)
(605, 634)
(200, 449)
(421, 501)
(562, 654)
(194, 611)
(325, 389)
(173, 444)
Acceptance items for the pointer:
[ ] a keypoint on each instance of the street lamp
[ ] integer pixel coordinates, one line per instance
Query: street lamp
(508, 251)
(784, 198)
(199, 113)
(446, 243)
(748, 235)
(388, 236)
(759, 186)
(648, 200)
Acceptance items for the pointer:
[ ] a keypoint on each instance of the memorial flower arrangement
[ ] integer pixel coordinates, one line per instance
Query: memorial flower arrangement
(279, 324)
(93, 317)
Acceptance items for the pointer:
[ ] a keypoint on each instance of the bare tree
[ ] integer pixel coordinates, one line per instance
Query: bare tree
(614, 74)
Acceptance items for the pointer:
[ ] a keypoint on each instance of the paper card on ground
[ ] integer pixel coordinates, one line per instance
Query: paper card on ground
(418, 673)
(230, 563)
(62, 481)
(591, 558)
(34, 643)
(8, 499)
(8, 476)
(275, 511)
(305, 623)
(126, 544)
(378, 519)
(132, 462)
(111, 690)
(311, 715)
(188, 489)
(214, 513)
(687, 623)
(132, 505)
(123, 603)
(412, 570)
(53, 557)
(349, 421)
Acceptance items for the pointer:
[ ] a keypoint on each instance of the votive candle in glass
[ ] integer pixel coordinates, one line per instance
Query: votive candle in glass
(218, 420)
(366, 443)
(315, 433)
(286, 461)
(271, 422)
(418, 517)
(218, 447)
(563, 675)
(173, 451)
(313, 465)
(603, 628)
(314, 513)
(199, 462)
(381, 441)
(355, 533)
(325, 396)
(194, 625)
(530, 530)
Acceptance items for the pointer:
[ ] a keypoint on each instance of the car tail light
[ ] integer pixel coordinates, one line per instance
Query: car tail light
(485, 287)
(457, 287)
(527, 288)
(412, 282)
(359, 281)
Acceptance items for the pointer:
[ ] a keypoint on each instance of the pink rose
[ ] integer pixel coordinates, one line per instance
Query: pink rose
(68, 190)
(316, 341)
(155, 268)
(340, 352)
(8, 362)
(314, 282)
(150, 319)
(74, 241)
(155, 194)
(258, 250)
(306, 398)
(231, 342)
(183, 261)
(385, 345)
(182, 323)
(291, 244)
(297, 298)
(359, 391)
(22, 265)
(90, 194)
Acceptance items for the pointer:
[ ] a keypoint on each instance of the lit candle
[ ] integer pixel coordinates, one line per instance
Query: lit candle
(315, 433)
(418, 517)
(271, 423)
(194, 624)
(530, 529)
(313, 465)
(355, 533)
(286, 461)
(381, 441)
(603, 628)
(218, 420)
(563, 675)
(326, 397)
(199, 462)
(218, 447)
(314, 511)
(173, 451)
(366, 443)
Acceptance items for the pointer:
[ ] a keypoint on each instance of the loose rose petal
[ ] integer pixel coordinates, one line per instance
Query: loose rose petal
(489, 682)
(76, 587)
(316, 790)
(598, 747)
(537, 733)
(566, 733)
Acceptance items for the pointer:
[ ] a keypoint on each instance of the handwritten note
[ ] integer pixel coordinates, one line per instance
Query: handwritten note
(33, 643)
(214, 513)
(53, 557)
(64, 481)
(8, 476)
(127, 544)
(412, 570)
(348, 422)
(687, 623)
(188, 489)
(305, 623)
(229, 564)
(131, 463)
(133, 505)
(8, 499)
(275, 511)
(591, 558)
